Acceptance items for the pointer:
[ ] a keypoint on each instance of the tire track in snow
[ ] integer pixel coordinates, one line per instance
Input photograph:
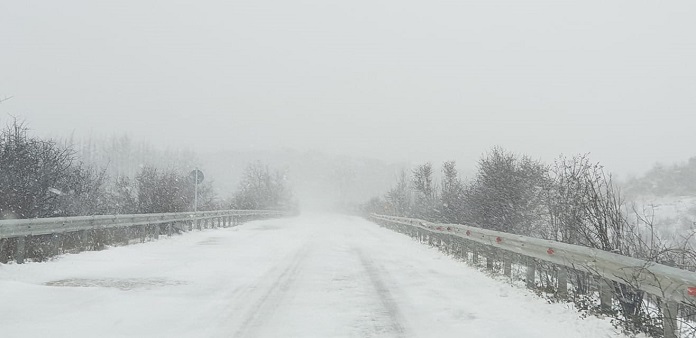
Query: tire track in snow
(396, 319)
(264, 298)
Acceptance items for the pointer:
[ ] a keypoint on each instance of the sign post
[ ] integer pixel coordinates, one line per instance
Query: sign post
(197, 178)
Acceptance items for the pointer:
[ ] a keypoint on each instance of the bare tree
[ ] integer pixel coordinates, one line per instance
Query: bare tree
(508, 192)
(262, 189)
(170, 190)
(425, 191)
(34, 174)
(399, 197)
(452, 195)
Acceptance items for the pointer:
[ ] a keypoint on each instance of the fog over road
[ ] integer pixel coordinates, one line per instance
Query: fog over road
(311, 276)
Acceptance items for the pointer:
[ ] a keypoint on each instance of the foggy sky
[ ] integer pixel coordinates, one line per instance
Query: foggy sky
(400, 80)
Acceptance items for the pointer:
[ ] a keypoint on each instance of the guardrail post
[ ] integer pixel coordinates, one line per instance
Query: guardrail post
(198, 225)
(670, 311)
(531, 273)
(170, 225)
(3, 256)
(456, 247)
(464, 249)
(581, 282)
(86, 239)
(606, 290)
(126, 235)
(156, 231)
(507, 264)
(21, 247)
(55, 244)
(101, 238)
(474, 254)
(490, 253)
(562, 277)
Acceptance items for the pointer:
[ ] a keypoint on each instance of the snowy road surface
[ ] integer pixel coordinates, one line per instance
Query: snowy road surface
(310, 276)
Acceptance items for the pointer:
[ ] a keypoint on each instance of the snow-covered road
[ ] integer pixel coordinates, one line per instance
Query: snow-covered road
(310, 276)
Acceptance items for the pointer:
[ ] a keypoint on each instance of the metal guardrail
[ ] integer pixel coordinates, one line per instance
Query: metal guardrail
(673, 285)
(46, 226)
(20, 229)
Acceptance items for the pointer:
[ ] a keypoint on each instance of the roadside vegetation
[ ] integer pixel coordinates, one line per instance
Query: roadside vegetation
(571, 200)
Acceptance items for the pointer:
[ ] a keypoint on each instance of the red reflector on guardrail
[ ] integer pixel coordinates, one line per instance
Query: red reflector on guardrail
(468, 232)
(691, 291)
(498, 239)
(550, 251)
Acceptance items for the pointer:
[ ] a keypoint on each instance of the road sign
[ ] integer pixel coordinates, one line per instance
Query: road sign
(196, 176)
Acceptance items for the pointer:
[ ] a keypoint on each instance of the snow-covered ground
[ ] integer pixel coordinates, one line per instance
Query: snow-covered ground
(674, 217)
(311, 276)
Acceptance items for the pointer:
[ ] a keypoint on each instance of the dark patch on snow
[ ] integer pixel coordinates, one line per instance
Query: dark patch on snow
(123, 284)
(211, 241)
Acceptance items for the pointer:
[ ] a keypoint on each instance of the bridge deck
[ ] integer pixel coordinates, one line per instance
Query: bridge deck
(311, 276)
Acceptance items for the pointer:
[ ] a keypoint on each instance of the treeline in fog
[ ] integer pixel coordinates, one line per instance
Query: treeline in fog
(42, 177)
(662, 180)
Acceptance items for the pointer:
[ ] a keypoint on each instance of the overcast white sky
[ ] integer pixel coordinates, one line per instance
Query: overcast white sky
(415, 80)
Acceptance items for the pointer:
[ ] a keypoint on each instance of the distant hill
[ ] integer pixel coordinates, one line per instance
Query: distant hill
(676, 180)
(667, 195)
